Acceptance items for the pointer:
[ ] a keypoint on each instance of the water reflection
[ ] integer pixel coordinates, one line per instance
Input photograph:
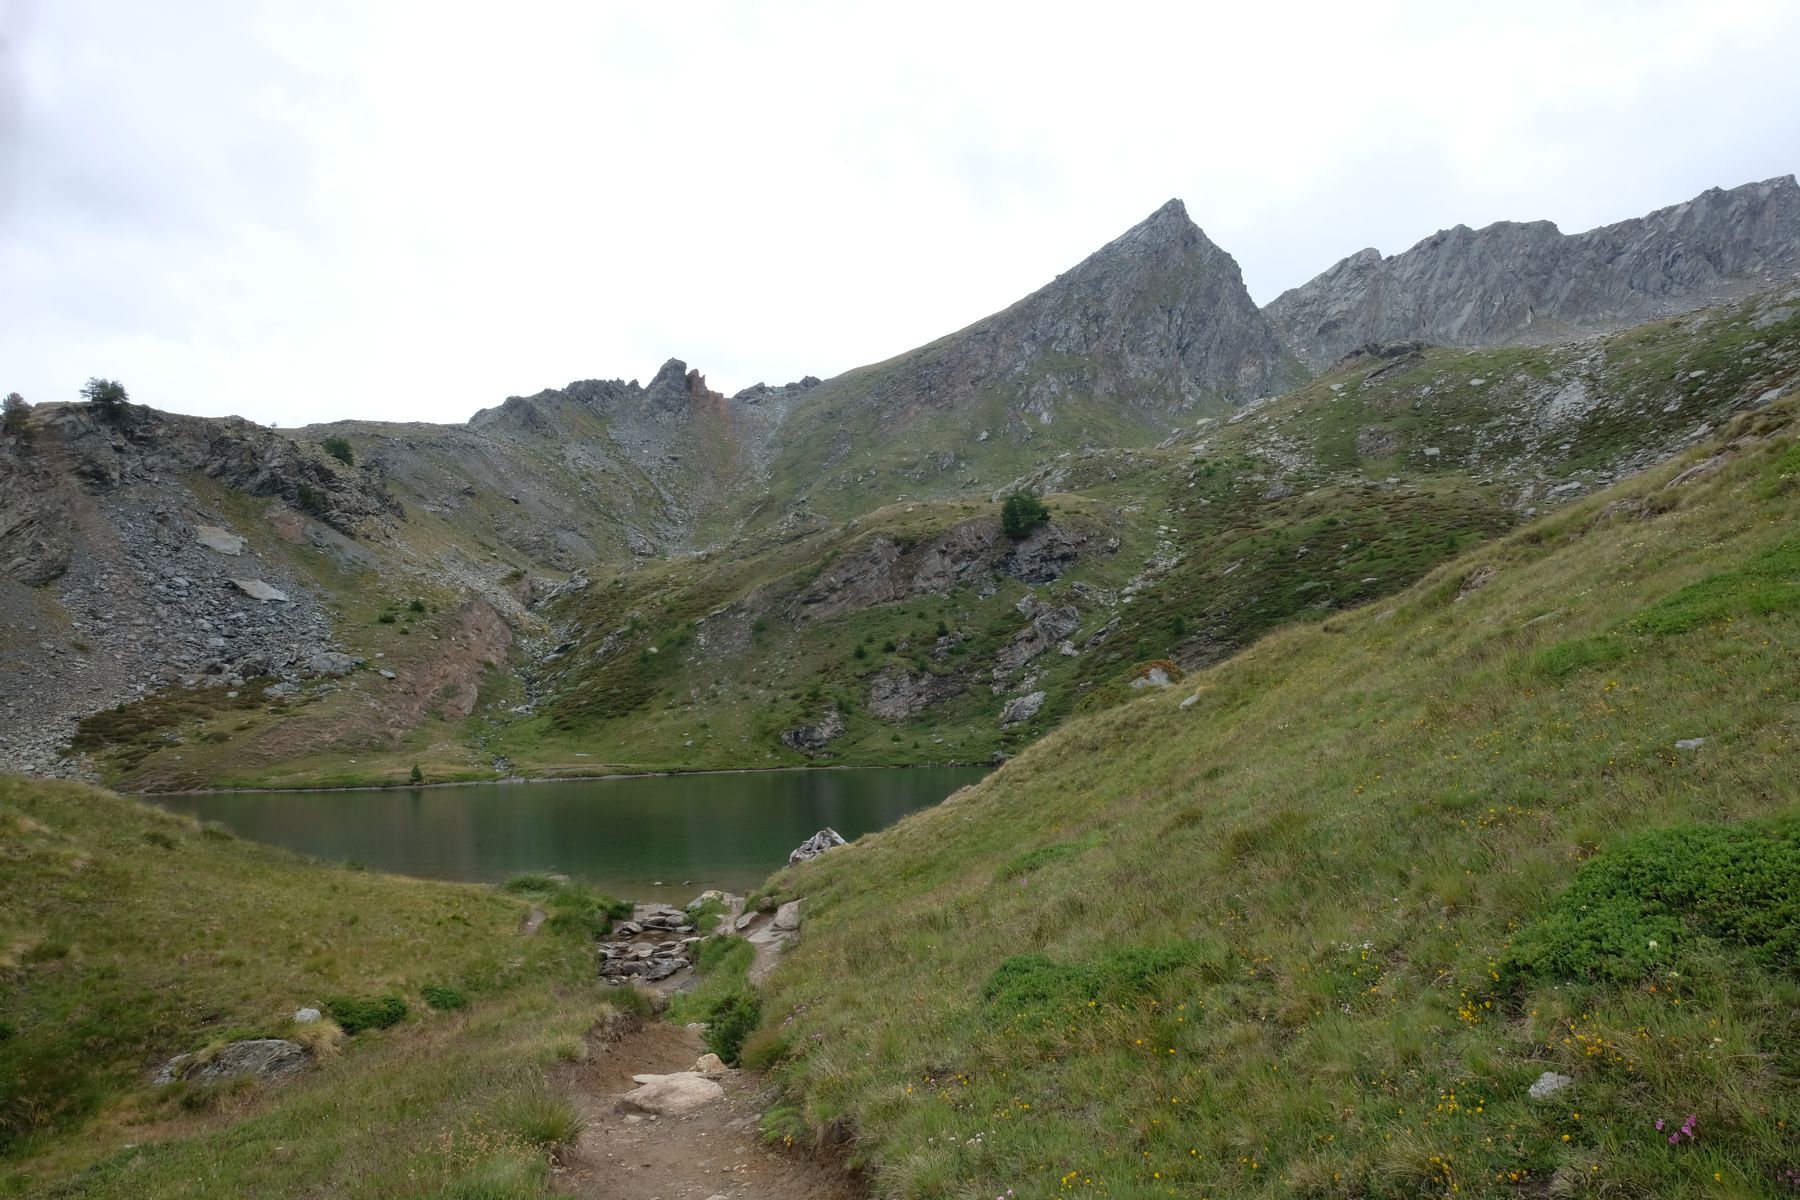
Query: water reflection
(687, 831)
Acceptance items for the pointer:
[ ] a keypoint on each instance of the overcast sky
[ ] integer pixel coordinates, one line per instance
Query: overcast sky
(320, 209)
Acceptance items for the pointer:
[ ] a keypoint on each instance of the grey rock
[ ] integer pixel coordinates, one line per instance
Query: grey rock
(1191, 700)
(1043, 556)
(897, 694)
(675, 1095)
(330, 663)
(268, 1059)
(1548, 1084)
(817, 844)
(1047, 627)
(1022, 709)
(1690, 743)
(810, 739)
(1154, 677)
(787, 917)
(306, 1016)
(257, 589)
(224, 541)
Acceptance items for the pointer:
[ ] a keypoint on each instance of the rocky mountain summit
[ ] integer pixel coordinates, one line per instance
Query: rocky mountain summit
(1527, 282)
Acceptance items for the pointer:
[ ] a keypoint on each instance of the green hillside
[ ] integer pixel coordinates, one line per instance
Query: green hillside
(1319, 931)
(1335, 495)
(128, 935)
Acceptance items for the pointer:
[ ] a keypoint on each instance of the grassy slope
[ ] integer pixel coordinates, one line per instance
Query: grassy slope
(129, 934)
(1332, 851)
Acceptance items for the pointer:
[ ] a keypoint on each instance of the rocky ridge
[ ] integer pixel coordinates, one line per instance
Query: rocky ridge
(1529, 282)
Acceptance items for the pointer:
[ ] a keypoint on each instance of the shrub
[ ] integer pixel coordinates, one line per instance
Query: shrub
(354, 1014)
(733, 1019)
(1632, 909)
(444, 997)
(1021, 513)
(14, 413)
(1032, 985)
(416, 775)
(339, 449)
(386, 618)
(417, 605)
(309, 499)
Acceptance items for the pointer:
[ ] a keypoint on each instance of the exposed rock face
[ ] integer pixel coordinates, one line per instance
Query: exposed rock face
(1528, 282)
(810, 739)
(1041, 557)
(897, 694)
(1048, 627)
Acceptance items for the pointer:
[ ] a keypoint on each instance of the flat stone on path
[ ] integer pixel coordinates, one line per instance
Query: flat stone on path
(672, 1095)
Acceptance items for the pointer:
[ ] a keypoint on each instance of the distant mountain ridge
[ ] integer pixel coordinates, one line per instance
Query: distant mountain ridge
(1529, 282)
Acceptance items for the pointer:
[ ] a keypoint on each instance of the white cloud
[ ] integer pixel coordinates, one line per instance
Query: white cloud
(310, 211)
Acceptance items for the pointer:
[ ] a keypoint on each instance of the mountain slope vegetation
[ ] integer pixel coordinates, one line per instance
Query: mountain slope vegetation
(129, 934)
(1319, 931)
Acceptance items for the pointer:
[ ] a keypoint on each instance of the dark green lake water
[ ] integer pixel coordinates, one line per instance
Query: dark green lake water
(655, 838)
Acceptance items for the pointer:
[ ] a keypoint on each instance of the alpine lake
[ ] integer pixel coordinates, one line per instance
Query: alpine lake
(661, 837)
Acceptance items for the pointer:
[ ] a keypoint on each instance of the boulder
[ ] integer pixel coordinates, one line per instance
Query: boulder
(328, 662)
(306, 1016)
(709, 1064)
(674, 1095)
(223, 540)
(1023, 708)
(1548, 1084)
(269, 1059)
(256, 589)
(815, 845)
(1154, 677)
(787, 917)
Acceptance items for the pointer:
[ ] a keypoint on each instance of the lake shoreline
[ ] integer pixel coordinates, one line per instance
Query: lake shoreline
(527, 779)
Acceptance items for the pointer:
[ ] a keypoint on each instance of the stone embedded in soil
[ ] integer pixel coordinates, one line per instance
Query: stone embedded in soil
(674, 1095)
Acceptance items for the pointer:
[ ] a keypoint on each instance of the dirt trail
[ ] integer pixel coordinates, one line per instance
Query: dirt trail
(715, 1152)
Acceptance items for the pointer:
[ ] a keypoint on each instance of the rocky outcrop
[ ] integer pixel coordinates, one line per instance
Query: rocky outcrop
(817, 844)
(1048, 626)
(810, 739)
(1527, 282)
(1043, 556)
(897, 694)
(1022, 708)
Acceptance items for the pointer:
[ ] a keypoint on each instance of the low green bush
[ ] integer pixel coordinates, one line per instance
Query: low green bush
(733, 1019)
(354, 1014)
(1636, 908)
(1030, 985)
(444, 997)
